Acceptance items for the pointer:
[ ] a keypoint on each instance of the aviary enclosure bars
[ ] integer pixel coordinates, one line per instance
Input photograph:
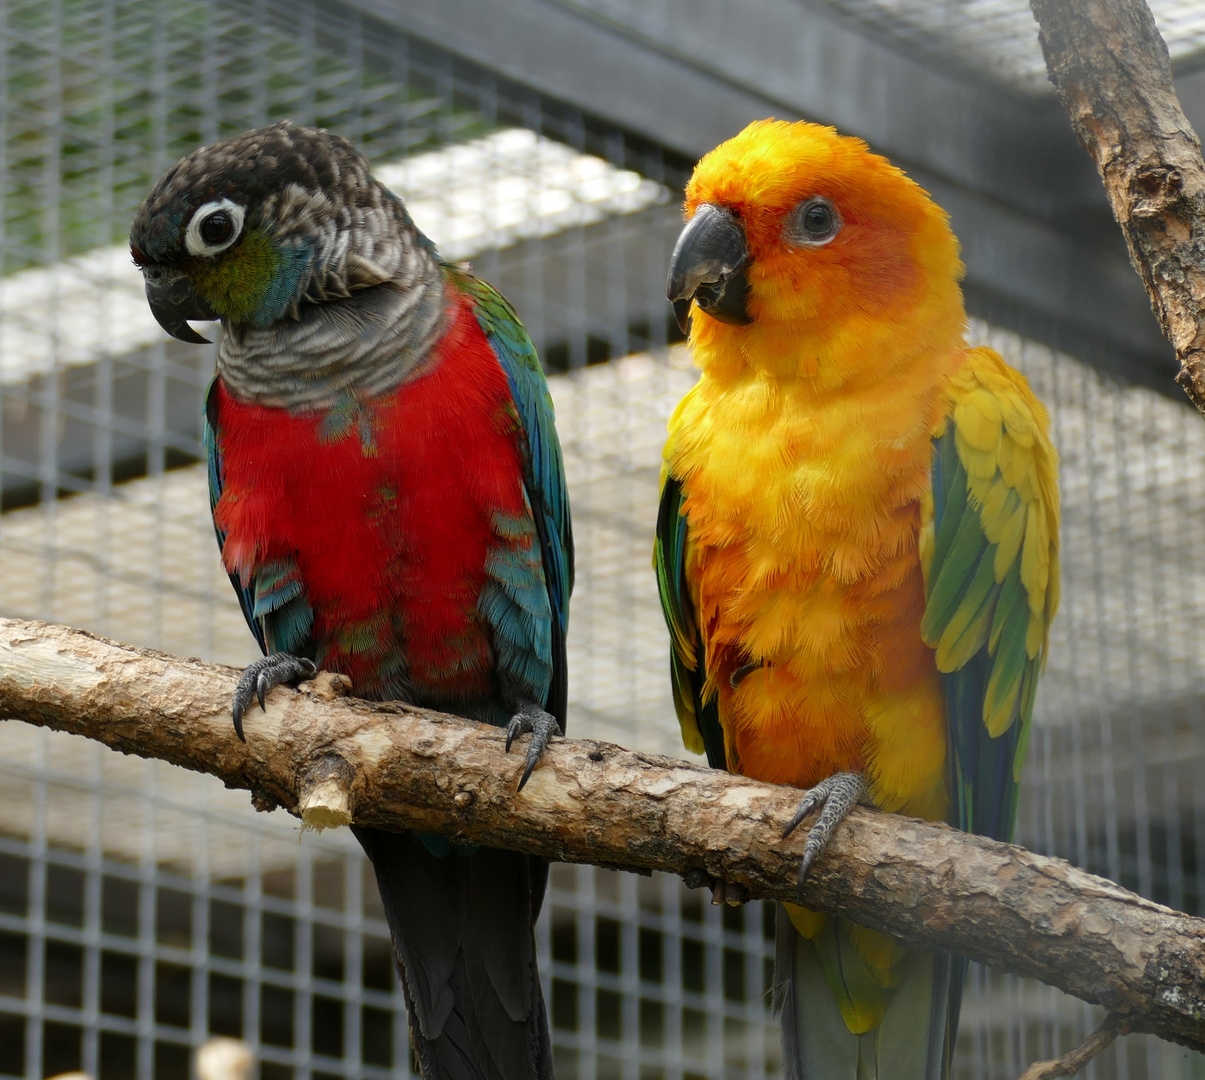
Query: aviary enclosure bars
(142, 910)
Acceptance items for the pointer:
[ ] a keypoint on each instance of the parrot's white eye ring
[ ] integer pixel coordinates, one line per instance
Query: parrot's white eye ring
(812, 223)
(214, 227)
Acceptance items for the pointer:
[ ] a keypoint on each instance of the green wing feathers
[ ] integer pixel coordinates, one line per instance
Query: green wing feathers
(990, 548)
(699, 719)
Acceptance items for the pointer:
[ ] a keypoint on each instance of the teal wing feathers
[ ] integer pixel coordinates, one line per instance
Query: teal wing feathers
(514, 605)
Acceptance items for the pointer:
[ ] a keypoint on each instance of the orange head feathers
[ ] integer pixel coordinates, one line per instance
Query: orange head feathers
(795, 225)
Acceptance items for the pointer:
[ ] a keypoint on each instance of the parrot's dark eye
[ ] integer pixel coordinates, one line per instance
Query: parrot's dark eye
(813, 223)
(214, 227)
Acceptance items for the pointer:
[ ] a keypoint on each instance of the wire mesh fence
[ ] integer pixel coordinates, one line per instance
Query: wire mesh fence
(142, 911)
(996, 38)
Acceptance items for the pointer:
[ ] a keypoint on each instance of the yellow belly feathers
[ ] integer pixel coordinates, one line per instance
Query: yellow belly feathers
(804, 506)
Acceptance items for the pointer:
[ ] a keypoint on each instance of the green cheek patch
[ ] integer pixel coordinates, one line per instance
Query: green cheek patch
(235, 284)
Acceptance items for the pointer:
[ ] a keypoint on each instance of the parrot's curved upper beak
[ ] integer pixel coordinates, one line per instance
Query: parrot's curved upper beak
(708, 266)
(173, 301)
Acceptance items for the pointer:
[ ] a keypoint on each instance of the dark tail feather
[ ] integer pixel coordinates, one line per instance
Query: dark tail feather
(462, 927)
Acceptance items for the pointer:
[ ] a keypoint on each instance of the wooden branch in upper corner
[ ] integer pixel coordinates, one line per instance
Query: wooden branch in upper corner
(332, 760)
(1113, 73)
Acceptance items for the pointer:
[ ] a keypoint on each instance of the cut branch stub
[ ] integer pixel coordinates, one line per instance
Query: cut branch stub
(325, 793)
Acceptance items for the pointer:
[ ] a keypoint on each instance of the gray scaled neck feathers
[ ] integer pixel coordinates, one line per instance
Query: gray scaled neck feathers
(368, 308)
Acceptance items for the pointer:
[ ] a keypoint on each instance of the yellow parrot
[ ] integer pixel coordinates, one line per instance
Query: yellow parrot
(857, 548)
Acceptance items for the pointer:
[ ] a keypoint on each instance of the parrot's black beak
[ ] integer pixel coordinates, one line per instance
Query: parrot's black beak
(708, 266)
(173, 302)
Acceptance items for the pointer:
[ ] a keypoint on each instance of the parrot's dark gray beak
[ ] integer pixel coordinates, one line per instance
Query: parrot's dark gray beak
(173, 302)
(708, 266)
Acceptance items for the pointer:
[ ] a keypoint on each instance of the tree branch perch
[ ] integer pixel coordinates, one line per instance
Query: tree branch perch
(1114, 76)
(1075, 1059)
(332, 759)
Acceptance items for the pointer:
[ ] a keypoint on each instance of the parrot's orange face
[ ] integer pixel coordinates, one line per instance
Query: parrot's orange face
(791, 221)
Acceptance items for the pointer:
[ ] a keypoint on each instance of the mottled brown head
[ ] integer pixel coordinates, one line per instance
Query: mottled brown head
(249, 229)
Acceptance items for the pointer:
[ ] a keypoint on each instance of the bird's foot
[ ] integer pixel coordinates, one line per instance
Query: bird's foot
(266, 673)
(530, 719)
(839, 794)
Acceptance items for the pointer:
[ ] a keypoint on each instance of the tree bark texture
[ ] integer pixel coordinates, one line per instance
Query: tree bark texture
(331, 759)
(1113, 73)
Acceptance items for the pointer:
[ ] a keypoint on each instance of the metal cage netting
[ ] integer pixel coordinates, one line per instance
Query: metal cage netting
(143, 910)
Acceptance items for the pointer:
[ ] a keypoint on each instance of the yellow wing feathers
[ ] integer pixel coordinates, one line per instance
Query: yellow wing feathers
(1000, 435)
